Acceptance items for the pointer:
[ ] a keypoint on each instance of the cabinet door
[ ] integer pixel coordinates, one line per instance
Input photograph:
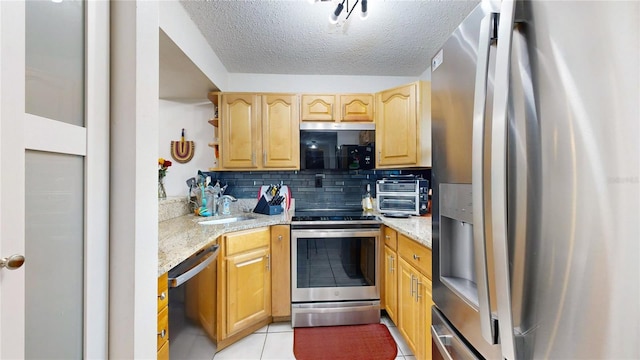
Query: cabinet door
(280, 131)
(248, 289)
(281, 273)
(426, 301)
(318, 107)
(391, 283)
(396, 127)
(206, 298)
(408, 310)
(240, 129)
(356, 107)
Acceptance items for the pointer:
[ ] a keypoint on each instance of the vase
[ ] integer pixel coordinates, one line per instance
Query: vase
(162, 194)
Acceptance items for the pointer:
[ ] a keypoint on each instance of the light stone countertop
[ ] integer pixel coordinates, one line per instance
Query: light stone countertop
(183, 236)
(416, 227)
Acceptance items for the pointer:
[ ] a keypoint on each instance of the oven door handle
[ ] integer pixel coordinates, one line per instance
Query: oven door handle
(186, 269)
(334, 233)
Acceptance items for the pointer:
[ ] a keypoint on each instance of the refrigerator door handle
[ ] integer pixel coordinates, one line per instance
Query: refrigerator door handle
(477, 179)
(499, 179)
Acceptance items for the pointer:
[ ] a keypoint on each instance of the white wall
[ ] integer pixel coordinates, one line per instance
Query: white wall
(313, 83)
(177, 24)
(133, 244)
(426, 75)
(192, 116)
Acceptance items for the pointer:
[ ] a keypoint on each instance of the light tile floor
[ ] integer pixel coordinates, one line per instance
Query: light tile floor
(272, 342)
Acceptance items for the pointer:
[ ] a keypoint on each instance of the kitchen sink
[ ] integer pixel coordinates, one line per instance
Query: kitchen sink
(226, 220)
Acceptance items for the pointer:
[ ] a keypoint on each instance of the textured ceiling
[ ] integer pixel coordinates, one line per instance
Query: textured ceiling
(295, 37)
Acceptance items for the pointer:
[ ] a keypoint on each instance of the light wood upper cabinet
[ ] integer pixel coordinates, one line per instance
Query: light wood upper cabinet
(357, 107)
(403, 126)
(280, 131)
(338, 107)
(318, 107)
(240, 131)
(259, 131)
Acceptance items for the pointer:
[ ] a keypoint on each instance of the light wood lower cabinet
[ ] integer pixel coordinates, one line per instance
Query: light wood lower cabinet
(414, 295)
(244, 284)
(414, 299)
(163, 316)
(391, 283)
(247, 290)
(407, 290)
(205, 297)
(281, 272)
(231, 298)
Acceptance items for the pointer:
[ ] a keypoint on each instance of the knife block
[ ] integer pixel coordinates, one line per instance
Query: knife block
(263, 207)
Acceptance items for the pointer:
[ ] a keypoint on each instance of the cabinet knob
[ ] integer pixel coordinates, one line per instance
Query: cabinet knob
(12, 262)
(162, 296)
(162, 333)
(387, 237)
(416, 257)
(279, 237)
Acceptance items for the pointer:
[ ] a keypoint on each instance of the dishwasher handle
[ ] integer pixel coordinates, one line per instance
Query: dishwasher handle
(192, 266)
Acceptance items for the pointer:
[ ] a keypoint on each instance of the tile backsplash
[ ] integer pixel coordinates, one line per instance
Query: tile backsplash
(311, 188)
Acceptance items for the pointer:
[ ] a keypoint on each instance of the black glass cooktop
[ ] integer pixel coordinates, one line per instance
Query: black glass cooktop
(332, 215)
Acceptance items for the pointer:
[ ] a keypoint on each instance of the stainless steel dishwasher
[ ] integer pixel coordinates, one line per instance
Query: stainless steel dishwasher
(192, 265)
(179, 276)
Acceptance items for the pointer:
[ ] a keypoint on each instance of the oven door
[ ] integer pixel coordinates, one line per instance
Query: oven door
(334, 265)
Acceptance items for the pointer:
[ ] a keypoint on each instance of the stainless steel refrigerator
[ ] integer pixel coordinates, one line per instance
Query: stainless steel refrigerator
(536, 205)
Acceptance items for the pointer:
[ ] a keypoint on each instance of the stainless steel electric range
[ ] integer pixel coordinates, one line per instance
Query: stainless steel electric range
(335, 277)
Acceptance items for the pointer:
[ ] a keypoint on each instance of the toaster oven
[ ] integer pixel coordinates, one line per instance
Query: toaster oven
(402, 196)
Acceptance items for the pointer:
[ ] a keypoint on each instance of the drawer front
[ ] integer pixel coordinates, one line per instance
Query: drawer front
(242, 241)
(419, 256)
(163, 327)
(163, 291)
(390, 238)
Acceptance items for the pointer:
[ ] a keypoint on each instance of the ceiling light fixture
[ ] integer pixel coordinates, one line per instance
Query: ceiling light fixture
(333, 18)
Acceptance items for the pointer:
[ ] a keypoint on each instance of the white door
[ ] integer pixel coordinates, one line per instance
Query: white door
(54, 147)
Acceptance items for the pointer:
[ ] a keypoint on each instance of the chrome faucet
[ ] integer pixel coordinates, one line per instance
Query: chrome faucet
(225, 204)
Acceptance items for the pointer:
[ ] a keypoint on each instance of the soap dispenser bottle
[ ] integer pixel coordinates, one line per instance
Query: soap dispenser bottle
(367, 201)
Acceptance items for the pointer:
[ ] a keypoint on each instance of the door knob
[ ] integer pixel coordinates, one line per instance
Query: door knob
(12, 262)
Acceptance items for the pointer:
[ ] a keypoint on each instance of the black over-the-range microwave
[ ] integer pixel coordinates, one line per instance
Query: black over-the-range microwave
(343, 146)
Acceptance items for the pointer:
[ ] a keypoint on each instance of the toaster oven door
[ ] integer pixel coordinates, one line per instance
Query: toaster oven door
(398, 204)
